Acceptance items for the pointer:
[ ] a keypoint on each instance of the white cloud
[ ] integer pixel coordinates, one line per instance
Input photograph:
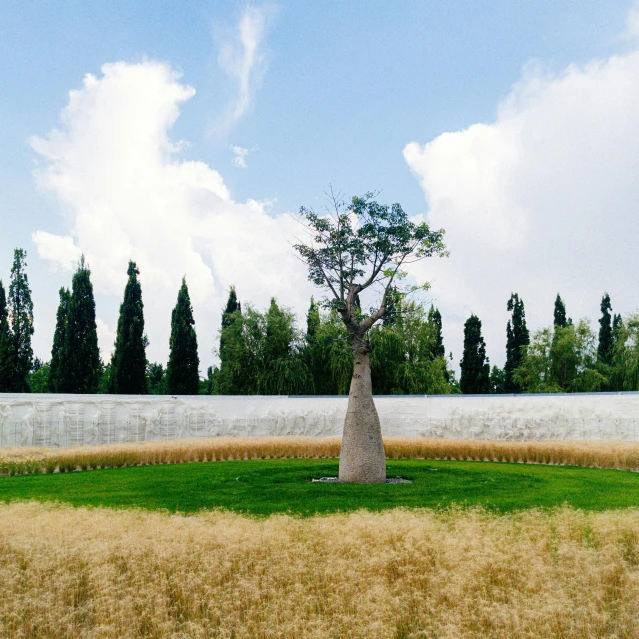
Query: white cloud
(241, 56)
(128, 195)
(632, 22)
(106, 339)
(60, 251)
(543, 199)
(239, 156)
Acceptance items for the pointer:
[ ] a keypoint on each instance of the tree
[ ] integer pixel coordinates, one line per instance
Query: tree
(231, 379)
(128, 365)
(208, 386)
(562, 360)
(59, 338)
(80, 366)
(475, 368)
(39, 376)
(6, 352)
(560, 312)
(497, 380)
(156, 378)
(617, 331)
(435, 319)
(20, 310)
(279, 359)
(182, 371)
(403, 360)
(358, 248)
(332, 356)
(625, 359)
(604, 350)
(517, 339)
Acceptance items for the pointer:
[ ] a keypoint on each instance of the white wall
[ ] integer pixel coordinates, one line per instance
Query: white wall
(63, 420)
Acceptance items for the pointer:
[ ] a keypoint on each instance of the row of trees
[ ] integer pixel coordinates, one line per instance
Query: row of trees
(567, 357)
(267, 353)
(75, 365)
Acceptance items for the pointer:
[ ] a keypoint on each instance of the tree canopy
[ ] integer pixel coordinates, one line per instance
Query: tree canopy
(360, 246)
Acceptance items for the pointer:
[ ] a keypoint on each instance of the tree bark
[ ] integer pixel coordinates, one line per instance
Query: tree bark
(362, 458)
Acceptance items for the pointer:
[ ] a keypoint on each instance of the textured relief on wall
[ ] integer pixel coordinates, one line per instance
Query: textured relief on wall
(70, 420)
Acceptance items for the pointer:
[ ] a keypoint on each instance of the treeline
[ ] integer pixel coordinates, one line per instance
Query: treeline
(566, 357)
(268, 353)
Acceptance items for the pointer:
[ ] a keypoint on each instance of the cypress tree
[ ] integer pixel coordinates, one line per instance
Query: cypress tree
(21, 320)
(617, 329)
(560, 313)
(3, 304)
(517, 338)
(80, 366)
(604, 350)
(232, 305)
(232, 348)
(182, 371)
(6, 354)
(128, 366)
(435, 319)
(475, 368)
(59, 337)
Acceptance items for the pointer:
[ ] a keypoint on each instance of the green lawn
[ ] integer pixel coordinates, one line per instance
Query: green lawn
(264, 487)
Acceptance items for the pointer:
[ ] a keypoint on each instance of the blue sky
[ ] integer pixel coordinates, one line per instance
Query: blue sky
(333, 94)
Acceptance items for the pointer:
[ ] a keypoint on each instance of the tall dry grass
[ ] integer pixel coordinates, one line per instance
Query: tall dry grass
(19, 461)
(98, 573)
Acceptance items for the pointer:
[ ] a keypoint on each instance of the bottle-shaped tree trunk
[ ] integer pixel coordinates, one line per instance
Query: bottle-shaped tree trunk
(362, 458)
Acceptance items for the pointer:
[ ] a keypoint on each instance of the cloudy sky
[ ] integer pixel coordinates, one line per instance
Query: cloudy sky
(186, 135)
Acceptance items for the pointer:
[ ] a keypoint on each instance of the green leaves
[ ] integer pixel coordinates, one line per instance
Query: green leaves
(364, 245)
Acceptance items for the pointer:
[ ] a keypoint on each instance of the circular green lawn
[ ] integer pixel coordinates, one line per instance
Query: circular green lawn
(263, 487)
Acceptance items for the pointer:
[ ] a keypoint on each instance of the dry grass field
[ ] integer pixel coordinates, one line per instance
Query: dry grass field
(19, 461)
(99, 573)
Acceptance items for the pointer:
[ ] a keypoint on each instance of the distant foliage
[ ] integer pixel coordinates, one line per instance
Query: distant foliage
(408, 356)
(625, 357)
(561, 360)
(39, 377)
(497, 380)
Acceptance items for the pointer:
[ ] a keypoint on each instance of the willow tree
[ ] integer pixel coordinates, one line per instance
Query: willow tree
(363, 246)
